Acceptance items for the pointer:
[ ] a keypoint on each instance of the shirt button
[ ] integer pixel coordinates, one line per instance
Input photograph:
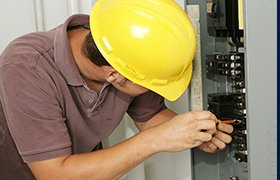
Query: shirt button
(90, 100)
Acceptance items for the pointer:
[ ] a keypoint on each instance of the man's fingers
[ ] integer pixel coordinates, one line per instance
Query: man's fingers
(217, 142)
(204, 115)
(209, 147)
(223, 137)
(202, 136)
(208, 126)
(225, 128)
(212, 146)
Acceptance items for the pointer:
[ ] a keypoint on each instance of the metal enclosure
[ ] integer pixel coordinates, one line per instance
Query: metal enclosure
(257, 45)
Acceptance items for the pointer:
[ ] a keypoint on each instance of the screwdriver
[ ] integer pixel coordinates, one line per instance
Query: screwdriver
(227, 121)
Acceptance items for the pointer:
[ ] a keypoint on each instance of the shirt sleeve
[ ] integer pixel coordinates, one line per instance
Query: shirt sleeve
(145, 106)
(33, 114)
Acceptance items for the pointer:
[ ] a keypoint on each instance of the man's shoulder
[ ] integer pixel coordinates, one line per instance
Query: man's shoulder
(27, 48)
(35, 41)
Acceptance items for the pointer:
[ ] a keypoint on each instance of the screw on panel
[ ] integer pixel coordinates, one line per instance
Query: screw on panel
(233, 178)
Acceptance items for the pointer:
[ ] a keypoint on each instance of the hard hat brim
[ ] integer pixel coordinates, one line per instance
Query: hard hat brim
(173, 90)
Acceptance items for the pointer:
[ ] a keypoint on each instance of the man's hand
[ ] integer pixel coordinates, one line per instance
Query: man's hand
(184, 131)
(220, 139)
(188, 122)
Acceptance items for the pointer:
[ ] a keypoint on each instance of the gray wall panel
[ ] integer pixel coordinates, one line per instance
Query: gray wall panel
(261, 57)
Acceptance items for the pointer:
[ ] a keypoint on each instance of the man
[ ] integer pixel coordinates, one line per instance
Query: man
(60, 97)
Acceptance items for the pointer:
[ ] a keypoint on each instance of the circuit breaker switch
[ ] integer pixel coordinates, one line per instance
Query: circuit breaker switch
(225, 64)
(233, 178)
(234, 57)
(212, 8)
(222, 21)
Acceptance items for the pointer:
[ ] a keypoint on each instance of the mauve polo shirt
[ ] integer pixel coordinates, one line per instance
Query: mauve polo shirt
(48, 111)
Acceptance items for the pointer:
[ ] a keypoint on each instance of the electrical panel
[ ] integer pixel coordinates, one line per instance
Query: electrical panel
(224, 85)
(227, 67)
(230, 105)
(238, 65)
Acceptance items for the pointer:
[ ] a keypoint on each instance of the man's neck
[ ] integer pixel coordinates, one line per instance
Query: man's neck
(91, 73)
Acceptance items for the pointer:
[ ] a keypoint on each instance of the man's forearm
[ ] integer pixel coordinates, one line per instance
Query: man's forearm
(159, 118)
(109, 163)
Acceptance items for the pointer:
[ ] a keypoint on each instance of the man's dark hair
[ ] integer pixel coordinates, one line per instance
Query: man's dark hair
(92, 53)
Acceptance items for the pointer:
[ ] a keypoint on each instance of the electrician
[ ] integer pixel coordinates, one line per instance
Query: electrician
(65, 90)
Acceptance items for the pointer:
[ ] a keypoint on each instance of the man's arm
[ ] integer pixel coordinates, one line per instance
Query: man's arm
(109, 163)
(159, 118)
(182, 132)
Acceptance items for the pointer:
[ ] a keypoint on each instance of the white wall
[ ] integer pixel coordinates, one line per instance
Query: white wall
(18, 17)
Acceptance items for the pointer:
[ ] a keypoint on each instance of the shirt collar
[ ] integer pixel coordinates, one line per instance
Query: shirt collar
(62, 52)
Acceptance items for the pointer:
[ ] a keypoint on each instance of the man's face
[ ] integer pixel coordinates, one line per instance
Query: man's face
(107, 73)
(126, 86)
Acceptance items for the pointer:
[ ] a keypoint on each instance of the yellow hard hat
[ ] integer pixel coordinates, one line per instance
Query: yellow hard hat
(150, 42)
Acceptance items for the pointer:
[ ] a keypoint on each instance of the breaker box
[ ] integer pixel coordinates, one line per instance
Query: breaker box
(237, 46)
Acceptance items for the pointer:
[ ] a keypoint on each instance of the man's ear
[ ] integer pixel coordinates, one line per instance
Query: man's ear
(111, 74)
